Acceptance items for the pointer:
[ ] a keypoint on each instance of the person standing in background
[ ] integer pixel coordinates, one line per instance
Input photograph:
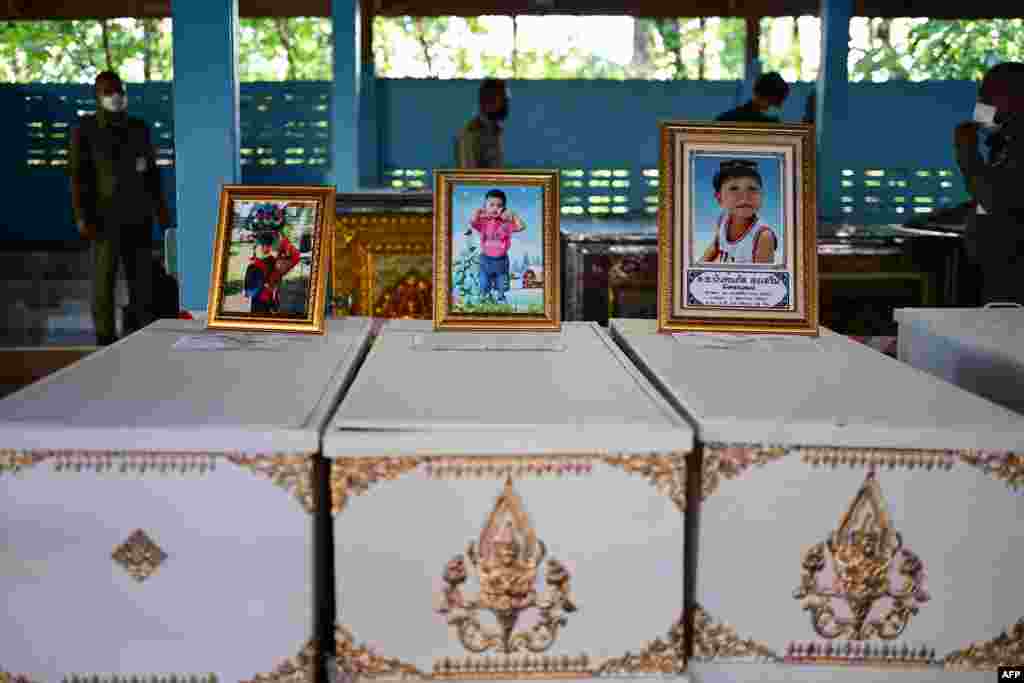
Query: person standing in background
(770, 93)
(115, 192)
(995, 229)
(480, 144)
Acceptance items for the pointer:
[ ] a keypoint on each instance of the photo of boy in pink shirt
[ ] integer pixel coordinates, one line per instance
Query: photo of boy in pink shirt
(496, 224)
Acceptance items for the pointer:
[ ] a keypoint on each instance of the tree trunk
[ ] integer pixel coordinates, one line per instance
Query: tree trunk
(798, 60)
(148, 34)
(285, 31)
(421, 38)
(105, 33)
(701, 48)
(640, 64)
(515, 46)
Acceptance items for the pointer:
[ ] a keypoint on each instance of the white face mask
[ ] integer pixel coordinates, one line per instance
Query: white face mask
(114, 104)
(985, 114)
(774, 111)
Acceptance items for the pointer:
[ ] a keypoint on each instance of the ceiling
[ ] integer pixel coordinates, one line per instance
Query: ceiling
(938, 9)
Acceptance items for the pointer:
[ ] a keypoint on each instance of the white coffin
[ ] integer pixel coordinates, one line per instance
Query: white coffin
(206, 453)
(790, 430)
(980, 350)
(438, 426)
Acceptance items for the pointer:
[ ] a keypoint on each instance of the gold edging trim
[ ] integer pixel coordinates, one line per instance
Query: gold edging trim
(500, 467)
(361, 661)
(7, 677)
(14, 462)
(722, 461)
(667, 473)
(513, 667)
(717, 640)
(130, 678)
(861, 654)
(354, 476)
(297, 669)
(875, 457)
(1006, 467)
(666, 656)
(293, 473)
(1006, 649)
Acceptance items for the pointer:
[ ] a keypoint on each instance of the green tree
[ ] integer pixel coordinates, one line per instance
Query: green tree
(285, 49)
(963, 49)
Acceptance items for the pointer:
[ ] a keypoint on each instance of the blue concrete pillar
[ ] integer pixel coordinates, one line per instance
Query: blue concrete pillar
(206, 132)
(833, 97)
(345, 99)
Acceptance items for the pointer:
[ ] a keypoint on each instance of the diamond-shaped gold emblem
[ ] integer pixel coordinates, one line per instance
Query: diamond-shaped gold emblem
(139, 556)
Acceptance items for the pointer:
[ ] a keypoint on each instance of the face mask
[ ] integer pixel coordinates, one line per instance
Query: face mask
(774, 111)
(115, 104)
(985, 114)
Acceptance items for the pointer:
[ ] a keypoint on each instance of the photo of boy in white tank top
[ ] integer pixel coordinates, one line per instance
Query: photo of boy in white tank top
(739, 235)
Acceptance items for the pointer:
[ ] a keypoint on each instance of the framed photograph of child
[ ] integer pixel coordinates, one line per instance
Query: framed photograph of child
(737, 249)
(270, 258)
(496, 249)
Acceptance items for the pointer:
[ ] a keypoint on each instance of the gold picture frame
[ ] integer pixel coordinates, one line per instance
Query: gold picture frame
(503, 290)
(383, 265)
(737, 227)
(270, 258)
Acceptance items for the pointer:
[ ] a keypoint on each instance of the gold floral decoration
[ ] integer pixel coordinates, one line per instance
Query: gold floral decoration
(139, 555)
(292, 473)
(354, 476)
(713, 640)
(722, 461)
(507, 559)
(297, 669)
(1007, 467)
(666, 656)
(870, 568)
(1007, 649)
(360, 660)
(667, 473)
(134, 463)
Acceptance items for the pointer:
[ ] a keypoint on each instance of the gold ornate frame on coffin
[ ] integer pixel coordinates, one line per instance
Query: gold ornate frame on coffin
(363, 244)
(268, 281)
(698, 295)
(446, 182)
(507, 557)
(865, 571)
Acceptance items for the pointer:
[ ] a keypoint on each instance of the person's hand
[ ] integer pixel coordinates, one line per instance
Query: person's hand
(477, 213)
(966, 133)
(87, 230)
(506, 215)
(164, 217)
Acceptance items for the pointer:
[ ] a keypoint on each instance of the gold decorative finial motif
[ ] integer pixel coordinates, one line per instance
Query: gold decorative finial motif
(666, 656)
(868, 564)
(139, 556)
(507, 559)
(714, 640)
(666, 472)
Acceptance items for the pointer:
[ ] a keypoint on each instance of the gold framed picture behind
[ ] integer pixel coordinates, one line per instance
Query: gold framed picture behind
(737, 228)
(270, 258)
(496, 250)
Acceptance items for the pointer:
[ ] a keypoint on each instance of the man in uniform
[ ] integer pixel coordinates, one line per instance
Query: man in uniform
(995, 229)
(480, 143)
(115, 192)
(770, 92)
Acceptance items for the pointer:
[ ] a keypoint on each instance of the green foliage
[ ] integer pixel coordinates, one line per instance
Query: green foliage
(465, 275)
(500, 309)
(276, 49)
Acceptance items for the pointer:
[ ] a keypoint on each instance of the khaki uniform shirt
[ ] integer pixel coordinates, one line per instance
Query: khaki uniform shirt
(480, 144)
(114, 173)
